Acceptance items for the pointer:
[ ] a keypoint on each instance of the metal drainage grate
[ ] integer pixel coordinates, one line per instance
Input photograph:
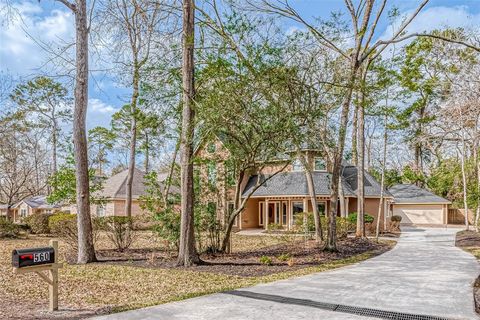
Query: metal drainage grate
(366, 312)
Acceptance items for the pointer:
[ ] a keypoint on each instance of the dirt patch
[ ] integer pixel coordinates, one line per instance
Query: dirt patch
(282, 257)
(470, 242)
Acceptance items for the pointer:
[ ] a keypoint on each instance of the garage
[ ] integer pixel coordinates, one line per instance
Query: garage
(418, 206)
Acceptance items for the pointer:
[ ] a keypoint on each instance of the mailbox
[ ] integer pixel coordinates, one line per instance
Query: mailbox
(33, 257)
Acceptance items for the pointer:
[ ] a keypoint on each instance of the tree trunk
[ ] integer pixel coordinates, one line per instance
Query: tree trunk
(313, 200)
(354, 136)
(343, 211)
(360, 232)
(231, 219)
(133, 140)
(147, 154)
(382, 180)
(331, 244)
(86, 251)
(54, 147)
(168, 183)
(464, 180)
(187, 253)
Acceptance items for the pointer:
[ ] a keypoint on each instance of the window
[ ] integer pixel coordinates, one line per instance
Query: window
(231, 178)
(261, 212)
(320, 164)
(297, 165)
(48, 211)
(100, 211)
(297, 211)
(284, 212)
(23, 212)
(212, 173)
(277, 213)
(211, 148)
(321, 208)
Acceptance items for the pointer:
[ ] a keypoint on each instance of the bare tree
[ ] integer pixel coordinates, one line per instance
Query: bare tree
(131, 25)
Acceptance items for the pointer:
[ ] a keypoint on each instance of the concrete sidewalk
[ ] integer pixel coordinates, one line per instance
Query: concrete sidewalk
(424, 274)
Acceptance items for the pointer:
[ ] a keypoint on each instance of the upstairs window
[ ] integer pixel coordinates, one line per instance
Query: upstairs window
(297, 165)
(212, 173)
(211, 148)
(320, 164)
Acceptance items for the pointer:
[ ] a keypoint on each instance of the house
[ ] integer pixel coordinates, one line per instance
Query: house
(418, 206)
(284, 197)
(3, 210)
(114, 194)
(30, 206)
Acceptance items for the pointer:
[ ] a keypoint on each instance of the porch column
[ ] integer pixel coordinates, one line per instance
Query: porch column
(347, 201)
(265, 212)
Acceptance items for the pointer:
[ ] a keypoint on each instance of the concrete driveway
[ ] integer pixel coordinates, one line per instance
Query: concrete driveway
(425, 274)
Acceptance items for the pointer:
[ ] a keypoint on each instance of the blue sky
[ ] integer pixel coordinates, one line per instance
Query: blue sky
(50, 22)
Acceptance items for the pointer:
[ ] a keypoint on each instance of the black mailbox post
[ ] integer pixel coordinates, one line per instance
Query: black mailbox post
(33, 257)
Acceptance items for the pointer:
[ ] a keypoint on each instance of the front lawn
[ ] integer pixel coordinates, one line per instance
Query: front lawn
(145, 275)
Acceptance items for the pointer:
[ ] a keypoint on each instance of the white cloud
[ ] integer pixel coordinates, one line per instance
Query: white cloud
(99, 113)
(19, 53)
(97, 105)
(438, 18)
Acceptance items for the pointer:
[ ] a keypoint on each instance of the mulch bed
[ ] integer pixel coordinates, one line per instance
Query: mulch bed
(467, 239)
(247, 264)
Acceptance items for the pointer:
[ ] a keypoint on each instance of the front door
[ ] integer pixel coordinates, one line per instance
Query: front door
(271, 213)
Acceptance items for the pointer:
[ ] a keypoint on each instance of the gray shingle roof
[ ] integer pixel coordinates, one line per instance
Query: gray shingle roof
(115, 187)
(295, 184)
(409, 193)
(38, 202)
(372, 187)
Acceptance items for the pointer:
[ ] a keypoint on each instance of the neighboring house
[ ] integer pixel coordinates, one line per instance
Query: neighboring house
(283, 198)
(3, 210)
(30, 206)
(418, 206)
(114, 194)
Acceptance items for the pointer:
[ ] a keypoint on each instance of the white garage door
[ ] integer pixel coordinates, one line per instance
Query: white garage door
(419, 213)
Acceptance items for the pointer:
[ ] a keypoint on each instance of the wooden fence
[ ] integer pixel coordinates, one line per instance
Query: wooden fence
(457, 216)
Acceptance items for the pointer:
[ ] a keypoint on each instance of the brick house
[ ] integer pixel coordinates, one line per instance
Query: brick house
(28, 207)
(284, 197)
(113, 195)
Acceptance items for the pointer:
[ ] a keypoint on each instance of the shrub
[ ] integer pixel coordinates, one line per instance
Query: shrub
(266, 260)
(119, 231)
(343, 225)
(38, 223)
(394, 224)
(284, 257)
(396, 218)
(209, 230)
(167, 226)
(352, 217)
(274, 227)
(8, 229)
(64, 226)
